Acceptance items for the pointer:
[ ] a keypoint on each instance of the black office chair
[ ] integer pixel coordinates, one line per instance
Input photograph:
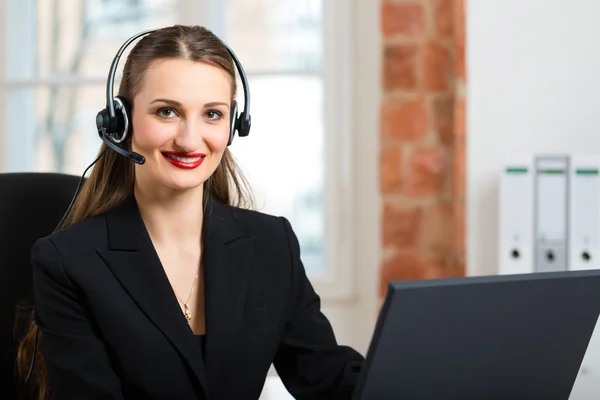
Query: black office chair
(31, 205)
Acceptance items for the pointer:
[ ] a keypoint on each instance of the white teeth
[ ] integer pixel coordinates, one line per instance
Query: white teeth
(184, 159)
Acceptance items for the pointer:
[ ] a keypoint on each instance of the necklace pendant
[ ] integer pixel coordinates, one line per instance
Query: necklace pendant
(188, 314)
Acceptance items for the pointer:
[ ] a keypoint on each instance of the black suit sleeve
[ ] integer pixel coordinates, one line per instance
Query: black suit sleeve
(77, 362)
(309, 361)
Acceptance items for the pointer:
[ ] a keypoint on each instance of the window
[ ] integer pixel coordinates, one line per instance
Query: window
(281, 44)
(57, 59)
(295, 53)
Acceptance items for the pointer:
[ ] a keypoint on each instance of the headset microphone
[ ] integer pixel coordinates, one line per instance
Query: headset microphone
(135, 157)
(111, 142)
(115, 133)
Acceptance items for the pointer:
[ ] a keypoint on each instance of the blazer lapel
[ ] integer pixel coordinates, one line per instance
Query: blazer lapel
(135, 263)
(227, 258)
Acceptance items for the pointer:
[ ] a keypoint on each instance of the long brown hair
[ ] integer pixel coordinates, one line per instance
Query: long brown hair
(112, 179)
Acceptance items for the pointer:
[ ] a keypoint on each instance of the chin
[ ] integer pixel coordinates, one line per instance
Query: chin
(185, 182)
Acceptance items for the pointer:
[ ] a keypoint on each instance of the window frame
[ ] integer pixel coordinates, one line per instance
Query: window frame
(340, 137)
(340, 183)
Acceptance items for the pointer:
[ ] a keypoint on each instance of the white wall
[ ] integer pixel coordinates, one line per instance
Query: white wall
(533, 85)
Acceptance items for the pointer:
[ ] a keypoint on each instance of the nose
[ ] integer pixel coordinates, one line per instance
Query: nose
(189, 137)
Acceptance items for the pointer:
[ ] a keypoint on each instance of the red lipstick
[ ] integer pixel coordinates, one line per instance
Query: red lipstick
(184, 160)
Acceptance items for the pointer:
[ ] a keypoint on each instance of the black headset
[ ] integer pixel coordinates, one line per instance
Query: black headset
(113, 124)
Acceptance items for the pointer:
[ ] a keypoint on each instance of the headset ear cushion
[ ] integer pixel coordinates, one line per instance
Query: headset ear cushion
(126, 106)
(123, 113)
(243, 125)
(233, 121)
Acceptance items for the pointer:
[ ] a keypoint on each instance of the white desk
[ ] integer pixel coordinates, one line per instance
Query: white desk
(274, 390)
(587, 387)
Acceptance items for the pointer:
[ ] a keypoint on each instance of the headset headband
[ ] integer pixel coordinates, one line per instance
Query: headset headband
(243, 123)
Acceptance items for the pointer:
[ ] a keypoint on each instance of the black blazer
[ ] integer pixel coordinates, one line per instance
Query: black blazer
(112, 327)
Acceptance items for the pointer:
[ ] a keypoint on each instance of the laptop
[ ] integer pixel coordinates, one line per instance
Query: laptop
(495, 337)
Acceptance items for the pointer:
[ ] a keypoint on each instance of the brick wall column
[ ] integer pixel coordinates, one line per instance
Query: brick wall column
(422, 160)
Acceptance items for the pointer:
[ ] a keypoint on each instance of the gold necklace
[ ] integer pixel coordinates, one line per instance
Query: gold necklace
(186, 309)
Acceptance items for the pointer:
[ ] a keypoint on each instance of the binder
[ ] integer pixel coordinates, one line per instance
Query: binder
(584, 227)
(516, 216)
(551, 213)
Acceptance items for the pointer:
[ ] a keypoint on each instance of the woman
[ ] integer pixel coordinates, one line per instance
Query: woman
(158, 285)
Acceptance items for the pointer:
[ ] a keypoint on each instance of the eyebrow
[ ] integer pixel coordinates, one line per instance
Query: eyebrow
(178, 104)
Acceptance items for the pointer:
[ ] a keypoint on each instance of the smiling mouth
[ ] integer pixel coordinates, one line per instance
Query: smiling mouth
(185, 161)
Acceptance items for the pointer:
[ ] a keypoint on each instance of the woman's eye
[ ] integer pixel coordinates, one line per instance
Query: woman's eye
(166, 112)
(213, 115)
